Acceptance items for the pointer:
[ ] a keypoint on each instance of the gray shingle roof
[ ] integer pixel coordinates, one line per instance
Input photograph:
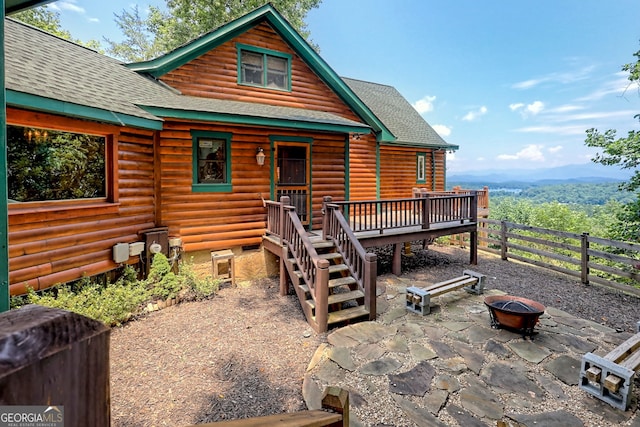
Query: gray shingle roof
(247, 109)
(397, 114)
(40, 64)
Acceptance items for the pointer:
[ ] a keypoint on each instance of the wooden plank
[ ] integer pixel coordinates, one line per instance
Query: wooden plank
(315, 418)
(623, 350)
(451, 287)
(348, 314)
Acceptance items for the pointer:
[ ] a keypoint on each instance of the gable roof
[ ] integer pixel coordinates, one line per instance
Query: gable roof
(51, 74)
(398, 115)
(183, 54)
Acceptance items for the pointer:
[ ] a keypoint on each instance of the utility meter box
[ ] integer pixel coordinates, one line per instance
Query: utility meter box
(136, 248)
(157, 236)
(120, 252)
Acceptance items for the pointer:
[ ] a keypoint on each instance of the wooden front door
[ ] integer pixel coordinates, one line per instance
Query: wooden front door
(292, 176)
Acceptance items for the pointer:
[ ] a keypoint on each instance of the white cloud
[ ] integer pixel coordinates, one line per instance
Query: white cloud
(529, 109)
(561, 130)
(565, 108)
(69, 5)
(535, 107)
(442, 130)
(425, 104)
(562, 78)
(473, 115)
(532, 152)
(555, 149)
(618, 84)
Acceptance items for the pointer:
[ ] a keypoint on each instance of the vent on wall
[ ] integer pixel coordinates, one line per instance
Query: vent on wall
(120, 252)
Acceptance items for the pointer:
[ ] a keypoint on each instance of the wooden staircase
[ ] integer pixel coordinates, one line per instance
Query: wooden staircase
(346, 299)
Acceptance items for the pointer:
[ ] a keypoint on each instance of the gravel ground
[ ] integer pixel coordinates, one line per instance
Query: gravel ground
(244, 352)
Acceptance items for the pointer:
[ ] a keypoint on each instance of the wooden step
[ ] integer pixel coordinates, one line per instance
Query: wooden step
(338, 268)
(329, 256)
(348, 314)
(333, 283)
(322, 244)
(341, 281)
(338, 298)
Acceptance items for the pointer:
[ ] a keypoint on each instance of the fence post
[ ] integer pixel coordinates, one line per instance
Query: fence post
(325, 216)
(584, 258)
(370, 277)
(337, 399)
(52, 357)
(321, 293)
(503, 240)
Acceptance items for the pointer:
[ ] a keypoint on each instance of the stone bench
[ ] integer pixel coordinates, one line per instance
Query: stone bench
(419, 299)
(610, 377)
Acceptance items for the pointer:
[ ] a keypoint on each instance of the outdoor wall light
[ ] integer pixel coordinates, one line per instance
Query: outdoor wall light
(260, 156)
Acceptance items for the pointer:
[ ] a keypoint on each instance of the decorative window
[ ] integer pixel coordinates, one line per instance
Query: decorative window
(212, 161)
(421, 168)
(264, 68)
(49, 165)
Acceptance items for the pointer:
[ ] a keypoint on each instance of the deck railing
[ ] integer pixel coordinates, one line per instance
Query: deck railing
(362, 265)
(314, 271)
(482, 195)
(422, 211)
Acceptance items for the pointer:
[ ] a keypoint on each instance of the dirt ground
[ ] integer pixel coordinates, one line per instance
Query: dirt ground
(244, 352)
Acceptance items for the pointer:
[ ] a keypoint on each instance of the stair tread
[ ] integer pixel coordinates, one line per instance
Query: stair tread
(338, 298)
(322, 244)
(336, 268)
(341, 281)
(348, 314)
(330, 255)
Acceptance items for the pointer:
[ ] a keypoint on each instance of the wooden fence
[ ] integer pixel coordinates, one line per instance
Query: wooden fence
(591, 259)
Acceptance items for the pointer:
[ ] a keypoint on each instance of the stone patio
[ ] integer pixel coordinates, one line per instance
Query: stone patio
(451, 368)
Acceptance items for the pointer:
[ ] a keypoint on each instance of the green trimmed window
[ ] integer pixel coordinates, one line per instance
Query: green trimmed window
(212, 161)
(421, 168)
(50, 165)
(264, 68)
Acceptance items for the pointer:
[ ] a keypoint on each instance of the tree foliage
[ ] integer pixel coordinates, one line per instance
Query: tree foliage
(49, 21)
(184, 20)
(624, 152)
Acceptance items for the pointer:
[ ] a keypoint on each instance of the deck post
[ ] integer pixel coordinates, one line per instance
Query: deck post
(473, 247)
(396, 263)
(370, 278)
(325, 216)
(321, 291)
(284, 282)
(57, 358)
(425, 211)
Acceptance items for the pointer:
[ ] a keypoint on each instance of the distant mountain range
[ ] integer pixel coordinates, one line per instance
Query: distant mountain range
(586, 172)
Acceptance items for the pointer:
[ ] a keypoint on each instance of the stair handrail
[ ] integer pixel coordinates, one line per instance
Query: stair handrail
(362, 264)
(314, 270)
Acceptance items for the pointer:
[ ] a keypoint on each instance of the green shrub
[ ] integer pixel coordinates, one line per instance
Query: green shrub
(116, 303)
(112, 304)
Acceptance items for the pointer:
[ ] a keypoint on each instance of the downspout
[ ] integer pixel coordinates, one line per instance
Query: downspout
(347, 167)
(378, 170)
(433, 170)
(4, 215)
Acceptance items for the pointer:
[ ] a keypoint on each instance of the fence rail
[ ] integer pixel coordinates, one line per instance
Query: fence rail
(606, 262)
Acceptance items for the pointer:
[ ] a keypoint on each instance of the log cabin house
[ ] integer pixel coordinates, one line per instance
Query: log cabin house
(184, 150)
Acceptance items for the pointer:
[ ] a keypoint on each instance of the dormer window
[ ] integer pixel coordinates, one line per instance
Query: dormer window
(264, 68)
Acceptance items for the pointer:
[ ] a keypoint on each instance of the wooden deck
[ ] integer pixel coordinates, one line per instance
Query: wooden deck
(317, 263)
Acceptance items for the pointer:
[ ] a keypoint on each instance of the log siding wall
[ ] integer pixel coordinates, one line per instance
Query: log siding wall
(215, 75)
(56, 242)
(216, 220)
(398, 171)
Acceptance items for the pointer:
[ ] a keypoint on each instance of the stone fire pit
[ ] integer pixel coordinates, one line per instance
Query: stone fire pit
(513, 312)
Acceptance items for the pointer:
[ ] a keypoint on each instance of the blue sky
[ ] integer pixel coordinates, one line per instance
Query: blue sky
(515, 84)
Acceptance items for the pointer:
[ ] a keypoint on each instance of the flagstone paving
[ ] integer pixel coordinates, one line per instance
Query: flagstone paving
(451, 367)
